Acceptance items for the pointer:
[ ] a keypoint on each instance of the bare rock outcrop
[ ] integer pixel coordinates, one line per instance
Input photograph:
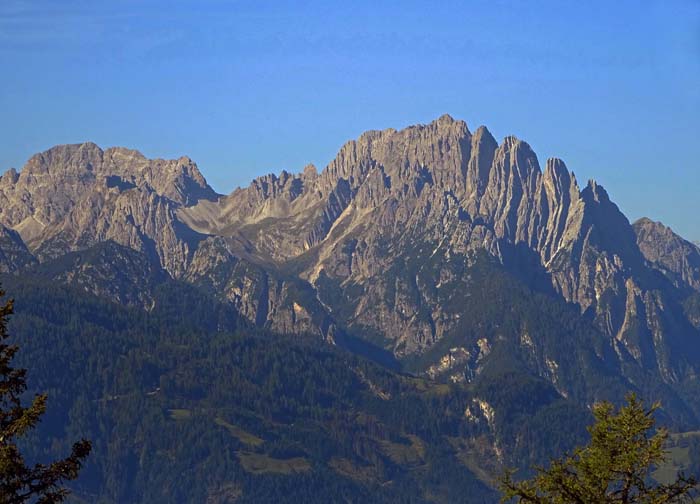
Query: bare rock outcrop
(14, 254)
(377, 243)
(675, 257)
(74, 196)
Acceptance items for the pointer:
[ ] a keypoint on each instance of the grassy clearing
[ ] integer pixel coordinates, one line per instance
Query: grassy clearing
(411, 453)
(345, 467)
(243, 436)
(258, 463)
(478, 456)
(678, 457)
(180, 414)
(440, 389)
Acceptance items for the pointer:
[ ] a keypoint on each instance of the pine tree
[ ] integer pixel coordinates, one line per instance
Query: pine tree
(20, 483)
(614, 468)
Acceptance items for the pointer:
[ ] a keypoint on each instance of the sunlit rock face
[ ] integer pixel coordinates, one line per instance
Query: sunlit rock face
(381, 245)
(74, 196)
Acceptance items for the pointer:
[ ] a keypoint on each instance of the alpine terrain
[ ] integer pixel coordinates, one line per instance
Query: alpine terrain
(430, 308)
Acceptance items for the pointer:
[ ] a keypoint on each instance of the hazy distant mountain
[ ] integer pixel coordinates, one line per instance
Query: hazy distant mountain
(432, 249)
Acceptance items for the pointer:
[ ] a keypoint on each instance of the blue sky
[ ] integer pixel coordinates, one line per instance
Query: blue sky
(250, 87)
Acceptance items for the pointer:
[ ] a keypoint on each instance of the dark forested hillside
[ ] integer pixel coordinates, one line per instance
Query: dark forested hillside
(186, 401)
(179, 411)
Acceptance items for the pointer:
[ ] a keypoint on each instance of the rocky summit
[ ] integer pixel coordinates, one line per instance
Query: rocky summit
(383, 252)
(429, 309)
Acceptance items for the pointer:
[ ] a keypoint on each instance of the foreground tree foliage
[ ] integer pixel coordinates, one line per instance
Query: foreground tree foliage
(19, 482)
(614, 468)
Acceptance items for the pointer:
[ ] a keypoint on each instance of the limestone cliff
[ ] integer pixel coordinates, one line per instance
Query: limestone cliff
(74, 196)
(675, 257)
(381, 244)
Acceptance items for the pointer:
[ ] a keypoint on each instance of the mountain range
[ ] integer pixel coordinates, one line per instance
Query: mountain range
(434, 251)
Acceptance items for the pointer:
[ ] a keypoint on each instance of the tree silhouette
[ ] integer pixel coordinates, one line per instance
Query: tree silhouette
(614, 468)
(19, 482)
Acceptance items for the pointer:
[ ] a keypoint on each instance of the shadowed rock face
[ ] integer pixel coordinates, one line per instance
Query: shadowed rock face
(14, 255)
(107, 270)
(368, 245)
(677, 258)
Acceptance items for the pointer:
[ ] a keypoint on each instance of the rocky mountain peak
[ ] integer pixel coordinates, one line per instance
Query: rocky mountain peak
(9, 177)
(482, 134)
(411, 197)
(596, 192)
(310, 172)
(72, 196)
(445, 119)
(63, 161)
(556, 169)
(483, 149)
(52, 182)
(675, 257)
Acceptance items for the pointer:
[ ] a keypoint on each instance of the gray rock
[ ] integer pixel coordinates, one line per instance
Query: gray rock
(74, 196)
(368, 243)
(675, 257)
(14, 254)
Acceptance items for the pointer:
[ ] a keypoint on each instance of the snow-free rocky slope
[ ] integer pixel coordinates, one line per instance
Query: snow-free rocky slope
(384, 251)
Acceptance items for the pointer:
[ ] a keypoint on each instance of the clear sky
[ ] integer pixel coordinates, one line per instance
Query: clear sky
(250, 87)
